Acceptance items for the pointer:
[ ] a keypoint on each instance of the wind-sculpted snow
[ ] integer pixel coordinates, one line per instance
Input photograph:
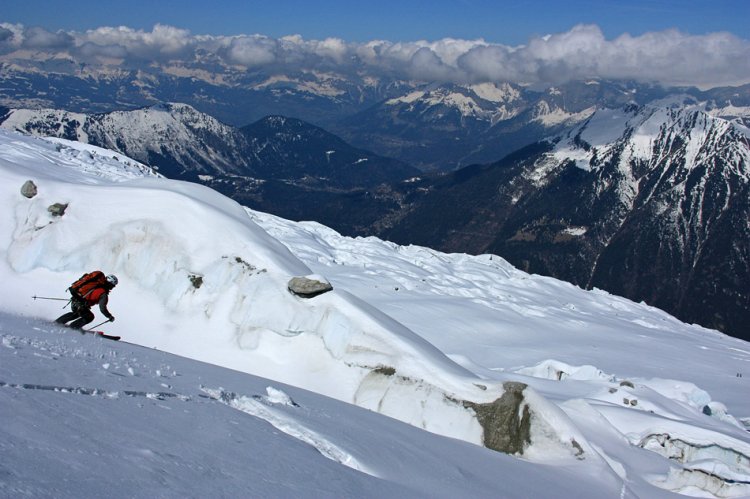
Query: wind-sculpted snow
(428, 338)
(163, 238)
(619, 362)
(66, 160)
(651, 413)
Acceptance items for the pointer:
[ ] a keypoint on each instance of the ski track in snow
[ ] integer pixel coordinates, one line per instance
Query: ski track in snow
(96, 392)
(254, 405)
(258, 406)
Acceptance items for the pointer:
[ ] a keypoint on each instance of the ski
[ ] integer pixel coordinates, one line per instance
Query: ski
(104, 335)
(97, 333)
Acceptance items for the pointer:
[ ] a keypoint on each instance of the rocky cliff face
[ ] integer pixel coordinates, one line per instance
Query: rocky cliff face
(650, 202)
(684, 245)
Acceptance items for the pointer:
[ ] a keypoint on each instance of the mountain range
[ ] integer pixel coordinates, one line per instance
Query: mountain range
(277, 164)
(647, 201)
(650, 202)
(431, 126)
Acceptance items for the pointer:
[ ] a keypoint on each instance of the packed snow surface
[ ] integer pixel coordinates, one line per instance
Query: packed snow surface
(626, 401)
(87, 417)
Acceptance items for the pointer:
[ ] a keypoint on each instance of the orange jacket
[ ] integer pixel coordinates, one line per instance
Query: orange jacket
(100, 296)
(94, 296)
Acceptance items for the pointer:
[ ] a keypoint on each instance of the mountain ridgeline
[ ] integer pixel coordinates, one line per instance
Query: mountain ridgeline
(432, 126)
(450, 126)
(277, 164)
(647, 201)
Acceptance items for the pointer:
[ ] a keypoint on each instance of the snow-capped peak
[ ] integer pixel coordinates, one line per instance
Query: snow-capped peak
(553, 115)
(484, 102)
(494, 92)
(642, 129)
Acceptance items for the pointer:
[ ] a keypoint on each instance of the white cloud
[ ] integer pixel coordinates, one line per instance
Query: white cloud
(40, 38)
(251, 51)
(426, 64)
(668, 57)
(161, 43)
(332, 48)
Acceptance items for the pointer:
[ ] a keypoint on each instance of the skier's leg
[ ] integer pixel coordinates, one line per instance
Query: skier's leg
(86, 316)
(66, 317)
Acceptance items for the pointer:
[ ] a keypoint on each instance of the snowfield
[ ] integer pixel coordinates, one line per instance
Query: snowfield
(226, 384)
(87, 417)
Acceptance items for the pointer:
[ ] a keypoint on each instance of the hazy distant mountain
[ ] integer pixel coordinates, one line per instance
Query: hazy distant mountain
(236, 97)
(649, 202)
(447, 127)
(430, 126)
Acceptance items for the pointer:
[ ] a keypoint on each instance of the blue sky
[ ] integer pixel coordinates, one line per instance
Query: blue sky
(506, 22)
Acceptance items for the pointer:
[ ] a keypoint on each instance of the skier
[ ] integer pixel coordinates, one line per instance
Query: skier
(91, 289)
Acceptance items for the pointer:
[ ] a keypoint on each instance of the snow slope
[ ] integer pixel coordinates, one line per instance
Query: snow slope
(616, 390)
(161, 237)
(85, 417)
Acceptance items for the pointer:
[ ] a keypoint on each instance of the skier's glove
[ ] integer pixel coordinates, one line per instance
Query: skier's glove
(111, 318)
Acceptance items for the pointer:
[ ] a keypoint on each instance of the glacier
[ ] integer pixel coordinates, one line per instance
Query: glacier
(614, 389)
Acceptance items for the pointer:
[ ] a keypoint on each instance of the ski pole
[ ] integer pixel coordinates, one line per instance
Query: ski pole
(92, 327)
(67, 300)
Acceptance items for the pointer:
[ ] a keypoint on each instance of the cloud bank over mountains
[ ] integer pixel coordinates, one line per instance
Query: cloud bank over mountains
(667, 57)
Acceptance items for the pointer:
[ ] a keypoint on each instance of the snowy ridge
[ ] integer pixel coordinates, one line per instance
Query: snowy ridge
(407, 331)
(551, 116)
(193, 137)
(653, 135)
(649, 125)
(485, 102)
(78, 157)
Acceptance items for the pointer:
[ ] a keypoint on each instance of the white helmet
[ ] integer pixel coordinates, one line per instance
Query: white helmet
(112, 280)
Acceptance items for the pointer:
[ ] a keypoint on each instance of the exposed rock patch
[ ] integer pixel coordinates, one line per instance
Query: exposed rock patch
(310, 286)
(507, 426)
(28, 189)
(57, 209)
